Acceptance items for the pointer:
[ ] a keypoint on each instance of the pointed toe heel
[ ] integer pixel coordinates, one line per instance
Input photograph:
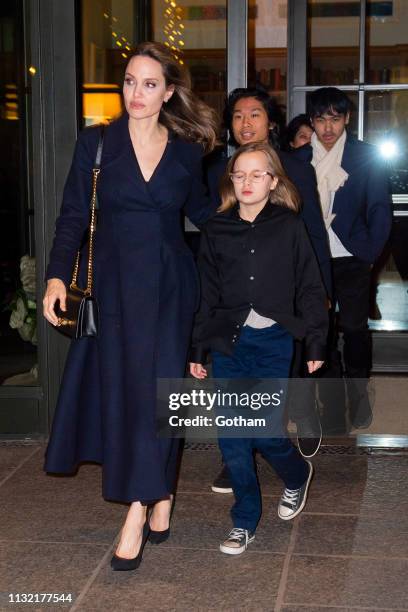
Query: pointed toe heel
(120, 564)
(157, 537)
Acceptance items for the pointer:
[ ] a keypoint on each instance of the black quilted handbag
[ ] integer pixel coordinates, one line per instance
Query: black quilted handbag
(81, 317)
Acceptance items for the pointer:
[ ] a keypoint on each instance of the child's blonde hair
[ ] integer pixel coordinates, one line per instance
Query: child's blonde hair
(284, 194)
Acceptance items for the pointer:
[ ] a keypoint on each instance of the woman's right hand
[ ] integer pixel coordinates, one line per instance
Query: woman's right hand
(197, 370)
(55, 291)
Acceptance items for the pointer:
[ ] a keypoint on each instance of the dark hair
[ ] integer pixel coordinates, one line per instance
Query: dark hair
(185, 114)
(328, 100)
(271, 107)
(284, 194)
(292, 129)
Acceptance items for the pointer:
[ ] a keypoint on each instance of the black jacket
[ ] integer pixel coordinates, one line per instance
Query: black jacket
(268, 265)
(362, 206)
(303, 177)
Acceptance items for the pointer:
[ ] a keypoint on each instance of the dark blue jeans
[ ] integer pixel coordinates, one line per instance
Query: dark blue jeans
(259, 353)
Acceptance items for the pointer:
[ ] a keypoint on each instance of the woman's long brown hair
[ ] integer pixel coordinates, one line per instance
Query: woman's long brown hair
(285, 193)
(185, 114)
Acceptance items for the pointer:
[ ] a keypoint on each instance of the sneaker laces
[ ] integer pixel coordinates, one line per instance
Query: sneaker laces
(236, 535)
(290, 497)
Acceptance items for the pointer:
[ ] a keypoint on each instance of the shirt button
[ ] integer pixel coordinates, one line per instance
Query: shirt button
(237, 326)
(252, 250)
(251, 278)
(252, 225)
(234, 336)
(233, 339)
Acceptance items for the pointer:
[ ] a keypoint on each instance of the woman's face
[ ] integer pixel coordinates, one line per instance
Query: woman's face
(256, 186)
(144, 87)
(302, 137)
(250, 121)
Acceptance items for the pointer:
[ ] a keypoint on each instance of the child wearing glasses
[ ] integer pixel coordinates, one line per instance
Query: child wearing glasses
(260, 288)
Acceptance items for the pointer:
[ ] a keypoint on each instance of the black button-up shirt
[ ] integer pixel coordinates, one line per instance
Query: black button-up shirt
(268, 265)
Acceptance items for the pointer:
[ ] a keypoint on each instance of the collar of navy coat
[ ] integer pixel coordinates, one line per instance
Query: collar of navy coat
(357, 157)
(171, 181)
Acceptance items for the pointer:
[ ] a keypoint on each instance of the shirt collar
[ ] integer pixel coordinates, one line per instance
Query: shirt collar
(265, 213)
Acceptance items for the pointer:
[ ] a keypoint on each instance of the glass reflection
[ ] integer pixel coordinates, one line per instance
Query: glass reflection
(386, 125)
(386, 115)
(387, 38)
(267, 26)
(196, 35)
(18, 352)
(332, 42)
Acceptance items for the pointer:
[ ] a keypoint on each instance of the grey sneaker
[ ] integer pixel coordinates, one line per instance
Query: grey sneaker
(309, 435)
(237, 541)
(293, 501)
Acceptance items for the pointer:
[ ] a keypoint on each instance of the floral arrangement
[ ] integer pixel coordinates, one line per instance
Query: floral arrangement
(23, 305)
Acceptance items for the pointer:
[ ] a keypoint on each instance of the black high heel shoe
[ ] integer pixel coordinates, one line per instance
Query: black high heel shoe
(157, 537)
(119, 564)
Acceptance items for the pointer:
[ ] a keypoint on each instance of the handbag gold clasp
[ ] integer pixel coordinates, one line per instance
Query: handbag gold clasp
(75, 287)
(65, 322)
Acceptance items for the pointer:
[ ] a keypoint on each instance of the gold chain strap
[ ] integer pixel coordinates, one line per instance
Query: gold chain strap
(92, 226)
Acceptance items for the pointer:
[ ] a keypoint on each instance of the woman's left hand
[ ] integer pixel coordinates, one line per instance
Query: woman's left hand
(312, 366)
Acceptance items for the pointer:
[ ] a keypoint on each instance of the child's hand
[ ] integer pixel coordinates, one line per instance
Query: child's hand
(312, 366)
(197, 370)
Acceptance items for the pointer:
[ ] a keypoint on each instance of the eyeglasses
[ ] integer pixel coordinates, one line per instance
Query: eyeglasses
(254, 177)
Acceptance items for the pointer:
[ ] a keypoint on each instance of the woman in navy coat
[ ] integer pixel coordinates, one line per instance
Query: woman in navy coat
(146, 285)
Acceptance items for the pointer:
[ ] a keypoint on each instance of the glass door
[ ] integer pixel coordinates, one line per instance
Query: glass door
(360, 47)
(196, 35)
(18, 352)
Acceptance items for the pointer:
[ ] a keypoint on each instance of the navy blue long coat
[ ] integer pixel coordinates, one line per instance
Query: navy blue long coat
(147, 289)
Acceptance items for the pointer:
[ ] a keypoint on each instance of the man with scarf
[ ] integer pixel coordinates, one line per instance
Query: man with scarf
(355, 198)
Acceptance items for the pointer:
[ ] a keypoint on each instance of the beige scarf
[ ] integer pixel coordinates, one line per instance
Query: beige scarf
(330, 175)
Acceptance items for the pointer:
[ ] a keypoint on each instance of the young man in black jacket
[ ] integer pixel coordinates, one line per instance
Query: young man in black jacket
(353, 184)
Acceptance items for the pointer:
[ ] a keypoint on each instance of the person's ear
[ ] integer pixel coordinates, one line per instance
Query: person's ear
(169, 92)
(347, 119)
(274, 183)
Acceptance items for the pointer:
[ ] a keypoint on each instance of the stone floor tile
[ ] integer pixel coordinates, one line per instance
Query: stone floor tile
(338, 485)
(316, 608)
(353, 535)
(46, 568)
(181, 580)
(39, 507)
(13, 456)
(359, 485)
(347, 582)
